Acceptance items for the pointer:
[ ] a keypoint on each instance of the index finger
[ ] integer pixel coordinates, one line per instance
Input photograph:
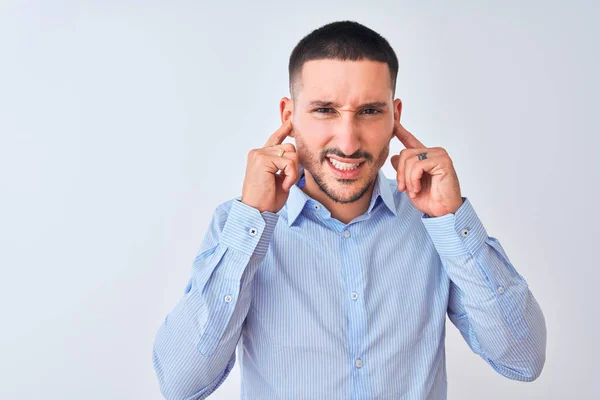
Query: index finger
(280, 134)
(407, 138)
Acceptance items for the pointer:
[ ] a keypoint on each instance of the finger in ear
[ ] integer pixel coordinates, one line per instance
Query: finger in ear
(394, 161)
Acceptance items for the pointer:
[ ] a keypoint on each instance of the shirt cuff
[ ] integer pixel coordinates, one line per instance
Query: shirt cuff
(248, 230)
(456, 233)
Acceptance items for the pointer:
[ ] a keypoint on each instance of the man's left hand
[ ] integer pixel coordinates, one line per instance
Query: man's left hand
(427, 174)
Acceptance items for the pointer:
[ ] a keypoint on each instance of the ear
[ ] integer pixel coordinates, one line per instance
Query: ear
(286, 110)
(397, 109)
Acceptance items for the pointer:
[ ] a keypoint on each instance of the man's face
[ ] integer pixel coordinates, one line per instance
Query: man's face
(344, 110)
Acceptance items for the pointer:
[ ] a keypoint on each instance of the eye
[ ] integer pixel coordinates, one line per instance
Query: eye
(322, 109)
(375, 111)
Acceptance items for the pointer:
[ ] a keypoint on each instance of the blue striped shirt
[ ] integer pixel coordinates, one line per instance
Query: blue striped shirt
(319, 309)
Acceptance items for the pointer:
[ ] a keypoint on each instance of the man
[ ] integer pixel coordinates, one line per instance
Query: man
(337, 279)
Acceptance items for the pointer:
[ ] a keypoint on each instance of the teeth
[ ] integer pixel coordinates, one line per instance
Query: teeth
(342, 165)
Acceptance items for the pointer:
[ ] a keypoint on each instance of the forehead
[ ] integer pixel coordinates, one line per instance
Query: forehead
(348, 82)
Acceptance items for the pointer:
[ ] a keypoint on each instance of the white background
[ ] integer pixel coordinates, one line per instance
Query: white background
(124, 124)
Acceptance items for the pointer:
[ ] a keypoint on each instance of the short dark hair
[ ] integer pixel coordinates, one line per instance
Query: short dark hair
(342, 40)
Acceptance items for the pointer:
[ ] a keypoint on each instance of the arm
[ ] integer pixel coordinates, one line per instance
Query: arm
(490, 302)
(194, 348)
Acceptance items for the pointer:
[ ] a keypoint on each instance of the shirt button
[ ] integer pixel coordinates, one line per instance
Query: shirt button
(317, 207)
(228, 299)
(358, 363)
(464, 232)
(253, 231)
(354, 296)
(500, 289)
(346, 234)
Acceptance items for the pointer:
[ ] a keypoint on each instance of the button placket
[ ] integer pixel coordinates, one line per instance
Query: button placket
(356, 310)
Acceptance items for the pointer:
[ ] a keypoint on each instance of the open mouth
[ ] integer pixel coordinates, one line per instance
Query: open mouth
(344, 170)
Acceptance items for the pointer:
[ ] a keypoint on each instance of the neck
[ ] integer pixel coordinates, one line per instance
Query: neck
(342, 212)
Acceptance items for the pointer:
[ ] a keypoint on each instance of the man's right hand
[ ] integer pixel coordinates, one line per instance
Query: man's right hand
(265, 189)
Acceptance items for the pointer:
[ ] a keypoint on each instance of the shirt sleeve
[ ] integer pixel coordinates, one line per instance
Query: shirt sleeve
(489, 302)
(194, 348)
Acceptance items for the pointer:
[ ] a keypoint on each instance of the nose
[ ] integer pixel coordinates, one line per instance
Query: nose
(347, 135)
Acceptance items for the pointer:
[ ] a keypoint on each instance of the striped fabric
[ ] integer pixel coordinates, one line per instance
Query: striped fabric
(323, 310)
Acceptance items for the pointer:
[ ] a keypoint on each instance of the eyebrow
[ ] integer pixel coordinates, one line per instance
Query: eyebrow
(322, 103)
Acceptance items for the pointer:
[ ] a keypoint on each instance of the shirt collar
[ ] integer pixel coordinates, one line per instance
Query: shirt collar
(297, 199)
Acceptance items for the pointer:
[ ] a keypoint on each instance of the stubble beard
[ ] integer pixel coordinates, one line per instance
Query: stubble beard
(315, 165)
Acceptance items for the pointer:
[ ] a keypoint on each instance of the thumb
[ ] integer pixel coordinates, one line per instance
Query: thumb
(394, 161)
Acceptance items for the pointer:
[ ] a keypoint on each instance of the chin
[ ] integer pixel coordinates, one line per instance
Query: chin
(344, 191)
